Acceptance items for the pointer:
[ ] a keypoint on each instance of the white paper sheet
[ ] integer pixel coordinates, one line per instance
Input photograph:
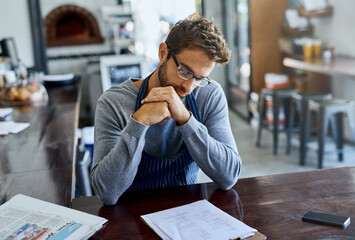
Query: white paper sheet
(4, 112)
(200, 220)
(12, 127)
(59, 77)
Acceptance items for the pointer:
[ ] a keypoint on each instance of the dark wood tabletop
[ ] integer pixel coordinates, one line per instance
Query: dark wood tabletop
(38, 161)
(272, 204)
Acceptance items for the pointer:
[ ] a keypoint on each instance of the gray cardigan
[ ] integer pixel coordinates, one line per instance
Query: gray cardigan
(120, 140)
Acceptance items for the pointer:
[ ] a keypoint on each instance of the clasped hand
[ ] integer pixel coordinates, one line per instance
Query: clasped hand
(162, 103)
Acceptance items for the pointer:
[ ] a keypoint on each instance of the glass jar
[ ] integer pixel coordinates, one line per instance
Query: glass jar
(25, 91)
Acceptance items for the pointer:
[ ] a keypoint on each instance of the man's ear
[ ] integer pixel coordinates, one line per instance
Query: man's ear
(163, 51)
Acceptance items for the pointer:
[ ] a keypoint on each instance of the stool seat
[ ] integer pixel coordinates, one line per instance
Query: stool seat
(311, 96)
(330, 110)
(282, 92)
(279, 96)
(330, 103)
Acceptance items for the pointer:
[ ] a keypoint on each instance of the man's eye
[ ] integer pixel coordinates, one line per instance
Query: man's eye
(185, 72)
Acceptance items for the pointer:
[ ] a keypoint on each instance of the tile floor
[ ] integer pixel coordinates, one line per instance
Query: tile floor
(261, 161)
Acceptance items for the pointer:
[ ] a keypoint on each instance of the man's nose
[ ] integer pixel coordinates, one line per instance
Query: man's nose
(188, 85)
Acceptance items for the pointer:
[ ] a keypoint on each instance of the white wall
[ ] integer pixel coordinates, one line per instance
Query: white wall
(15, 22)
(338, 30)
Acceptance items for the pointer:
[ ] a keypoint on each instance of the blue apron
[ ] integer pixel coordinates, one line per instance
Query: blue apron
(155, 172)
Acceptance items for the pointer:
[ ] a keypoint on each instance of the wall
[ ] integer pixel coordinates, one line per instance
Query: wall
(213, 9)
(338, 30)
(15, 22)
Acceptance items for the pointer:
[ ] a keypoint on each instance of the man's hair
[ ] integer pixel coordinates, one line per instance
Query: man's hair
(198, 32)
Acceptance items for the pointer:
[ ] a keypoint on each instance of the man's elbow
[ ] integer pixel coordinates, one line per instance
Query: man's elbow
(108, 201)
(230, 181)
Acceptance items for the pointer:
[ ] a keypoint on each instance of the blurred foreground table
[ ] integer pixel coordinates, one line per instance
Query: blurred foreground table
(272, 204)
(38, 161)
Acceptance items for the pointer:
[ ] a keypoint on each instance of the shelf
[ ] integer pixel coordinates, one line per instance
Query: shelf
(316, 13)
(297, 32)
(123, 42)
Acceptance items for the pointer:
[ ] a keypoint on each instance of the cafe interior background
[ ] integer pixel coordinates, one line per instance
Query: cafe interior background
(257, 31)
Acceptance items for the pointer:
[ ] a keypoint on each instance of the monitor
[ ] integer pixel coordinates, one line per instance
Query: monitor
(118, 68)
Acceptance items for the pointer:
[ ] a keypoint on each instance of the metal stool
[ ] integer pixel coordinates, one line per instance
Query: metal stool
(299, 104)
(330, 110)
(281, 95)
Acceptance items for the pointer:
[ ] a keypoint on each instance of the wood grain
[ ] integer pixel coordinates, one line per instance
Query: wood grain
(39, 160)
(272, 204)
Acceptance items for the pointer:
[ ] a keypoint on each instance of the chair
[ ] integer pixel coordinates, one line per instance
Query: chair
(83, 187)
(84, 161)
(299, 104)
(279, 96)
(330, 110)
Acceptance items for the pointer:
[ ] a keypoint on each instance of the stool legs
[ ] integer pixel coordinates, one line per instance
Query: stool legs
(290, 123)
(351, 119)
(322, 121)
(278, 97)
(337, 132)
(303, 131)
(261, 118)
(275, 108)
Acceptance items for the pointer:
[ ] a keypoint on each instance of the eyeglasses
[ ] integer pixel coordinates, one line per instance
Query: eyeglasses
(187, 75)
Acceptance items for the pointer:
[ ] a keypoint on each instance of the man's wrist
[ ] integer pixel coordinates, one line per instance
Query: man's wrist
(139, 119)
(185, 119)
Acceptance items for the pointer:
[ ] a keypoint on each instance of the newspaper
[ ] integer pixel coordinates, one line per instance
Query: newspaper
(23, 217)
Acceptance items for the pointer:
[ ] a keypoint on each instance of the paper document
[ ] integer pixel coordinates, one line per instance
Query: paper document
(198, 220)
(59, 77)
(12, 127)
(23, 217)
(4, 112)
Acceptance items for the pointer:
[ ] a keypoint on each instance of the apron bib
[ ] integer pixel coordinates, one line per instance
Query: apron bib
(156, 172)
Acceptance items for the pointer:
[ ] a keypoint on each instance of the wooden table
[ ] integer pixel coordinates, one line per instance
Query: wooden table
(340, 65)
(38, 161)
(272, 204)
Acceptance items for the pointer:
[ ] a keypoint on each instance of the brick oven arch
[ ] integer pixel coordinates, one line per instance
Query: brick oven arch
(70, 25)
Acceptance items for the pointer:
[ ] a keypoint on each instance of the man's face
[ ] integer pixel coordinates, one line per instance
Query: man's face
(193, 60)
(164, 82)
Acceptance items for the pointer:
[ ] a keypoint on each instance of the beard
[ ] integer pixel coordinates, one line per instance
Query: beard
(164, 82)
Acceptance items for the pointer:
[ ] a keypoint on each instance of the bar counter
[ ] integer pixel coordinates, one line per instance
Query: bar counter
(39, 160)
(339, 65)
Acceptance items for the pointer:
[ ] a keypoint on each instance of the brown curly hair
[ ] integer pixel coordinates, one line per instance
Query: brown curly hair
(198, 32)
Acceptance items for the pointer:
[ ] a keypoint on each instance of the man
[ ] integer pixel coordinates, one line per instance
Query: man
(159, 131)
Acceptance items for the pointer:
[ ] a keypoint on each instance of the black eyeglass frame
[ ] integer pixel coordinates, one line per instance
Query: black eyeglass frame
(187, 75)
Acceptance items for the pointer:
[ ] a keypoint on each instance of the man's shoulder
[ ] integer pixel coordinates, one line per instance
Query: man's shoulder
(125, 89)
(214, 88)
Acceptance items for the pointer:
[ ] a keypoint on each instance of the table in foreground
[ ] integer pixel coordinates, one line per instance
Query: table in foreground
(272, 204)
(38, 161)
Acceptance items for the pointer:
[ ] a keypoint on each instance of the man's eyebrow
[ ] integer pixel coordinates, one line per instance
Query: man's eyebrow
(184, 66)
(187, 67)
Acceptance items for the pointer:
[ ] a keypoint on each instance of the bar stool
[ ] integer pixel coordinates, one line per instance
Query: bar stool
(279, 96)
(325, 111)
(299, 104)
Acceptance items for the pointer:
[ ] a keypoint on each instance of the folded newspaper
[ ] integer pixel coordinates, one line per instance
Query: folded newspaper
(24, 217)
